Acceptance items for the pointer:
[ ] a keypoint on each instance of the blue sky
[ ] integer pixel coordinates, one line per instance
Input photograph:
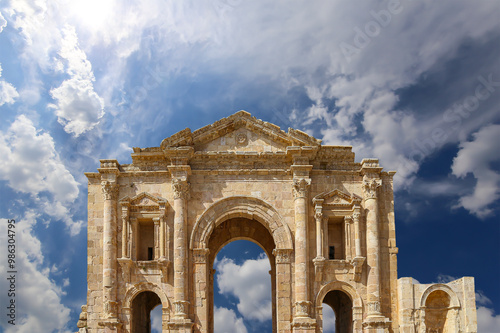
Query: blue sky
(413, 83)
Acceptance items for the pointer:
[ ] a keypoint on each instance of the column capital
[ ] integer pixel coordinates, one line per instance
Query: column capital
(180, 186)
(109, 189)
(370, 186)
(300, 187)
(200, 256)
(282, 256)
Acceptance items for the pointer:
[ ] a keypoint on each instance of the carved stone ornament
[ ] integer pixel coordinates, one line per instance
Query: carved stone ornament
(318, 214)
(373, 308)
(181, 308)
(283, 256)
(370, 187)
(180, 188)
(241, 139)
(110, 190)
(355, 216)
(200, 256)
(300, 187)
(302, 308)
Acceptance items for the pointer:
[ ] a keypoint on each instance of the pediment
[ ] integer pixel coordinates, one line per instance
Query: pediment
(337, 198)
(144, 200)
(240, 132)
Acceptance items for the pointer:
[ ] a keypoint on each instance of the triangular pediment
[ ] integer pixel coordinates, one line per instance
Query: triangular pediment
(143, 199)
(240, 132)
(337, 198)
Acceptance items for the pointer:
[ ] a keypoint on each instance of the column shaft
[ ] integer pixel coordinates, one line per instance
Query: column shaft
(373, 246)
(357, 235)
(302, 303)
(180, 188)
(109, 248)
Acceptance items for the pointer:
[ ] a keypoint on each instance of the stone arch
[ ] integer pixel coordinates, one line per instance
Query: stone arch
(135, 290)
(342, 286)
(240, 206)
(350, 291)
(454, 301)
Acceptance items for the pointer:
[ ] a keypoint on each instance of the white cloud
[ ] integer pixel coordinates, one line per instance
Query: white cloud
(476, 157)
(226, 321)
(156, 319)
(78, 106)
(31, 164)
(487, 321)
(328, 318)
(250, 283)
(3, 22)
(482, 299)
(32, 279)
(8, 92)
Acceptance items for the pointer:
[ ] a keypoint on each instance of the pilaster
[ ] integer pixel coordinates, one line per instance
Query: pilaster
(371, 182)
(180, 171)
(109, 184)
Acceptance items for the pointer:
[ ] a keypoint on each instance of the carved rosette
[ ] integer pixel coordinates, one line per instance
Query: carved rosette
(300, 187)
(110, 190)
(302, 308)
(180, 188)
(283, 256)
(370, 187)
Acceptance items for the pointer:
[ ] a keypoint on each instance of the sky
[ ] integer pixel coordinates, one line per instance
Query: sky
(413, 83)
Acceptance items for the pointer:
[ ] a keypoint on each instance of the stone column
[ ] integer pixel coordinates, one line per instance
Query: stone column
(300, 192)
(181, 192)
(125, 232)
(156, 226)
(318, 216)
(162, 237)
(133, 238)
(180, 171)
(347, 238)
(357, 236)
(109, 264)
(375, 321)
(372, 242)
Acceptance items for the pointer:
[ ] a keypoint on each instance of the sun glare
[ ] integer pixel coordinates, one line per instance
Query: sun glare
(92, 14)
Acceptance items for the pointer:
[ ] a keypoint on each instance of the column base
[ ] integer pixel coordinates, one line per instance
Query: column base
(376, 324)
(181, 325)
(111, 324)
(303, 324)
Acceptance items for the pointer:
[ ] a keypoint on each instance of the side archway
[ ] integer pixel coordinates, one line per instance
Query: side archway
(139, 300)
(346, 303)
(454, 301)
(439, 306)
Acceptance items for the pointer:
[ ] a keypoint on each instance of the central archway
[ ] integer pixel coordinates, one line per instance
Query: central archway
(241, 229)
(230, 219)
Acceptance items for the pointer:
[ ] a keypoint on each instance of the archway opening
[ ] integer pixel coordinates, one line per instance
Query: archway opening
(436, 312)
(142, 306)
(242, 297)
(341, 304)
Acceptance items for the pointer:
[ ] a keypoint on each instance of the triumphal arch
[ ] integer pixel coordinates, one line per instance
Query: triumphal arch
(325, 222)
